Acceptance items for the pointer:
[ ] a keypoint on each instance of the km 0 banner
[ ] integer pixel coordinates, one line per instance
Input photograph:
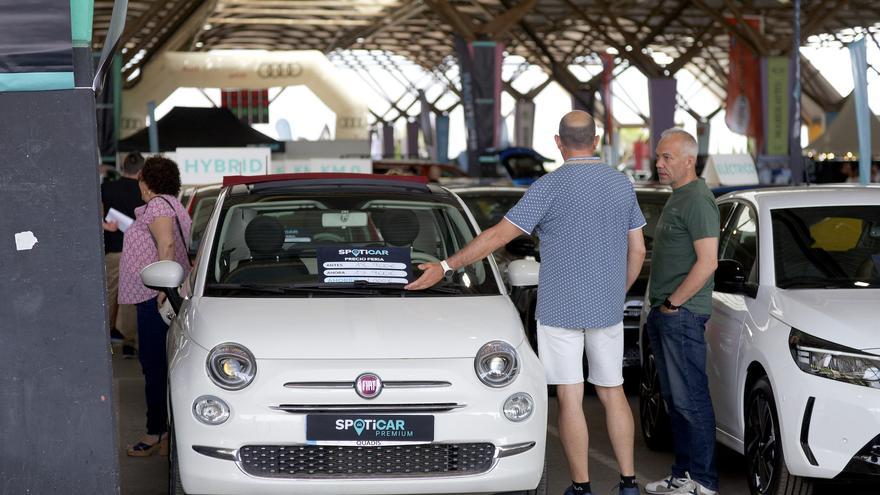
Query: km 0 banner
(743, 103)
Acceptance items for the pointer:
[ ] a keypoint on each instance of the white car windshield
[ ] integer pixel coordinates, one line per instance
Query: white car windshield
(827, 247)
(345, 242)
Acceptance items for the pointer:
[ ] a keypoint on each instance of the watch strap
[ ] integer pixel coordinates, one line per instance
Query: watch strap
(447, 270)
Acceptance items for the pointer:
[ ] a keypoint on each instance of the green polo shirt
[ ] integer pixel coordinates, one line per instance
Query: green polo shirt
(690, 214)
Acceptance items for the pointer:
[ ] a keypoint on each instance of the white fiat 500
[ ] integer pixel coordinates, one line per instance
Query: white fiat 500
(794, 337)
(298, 364)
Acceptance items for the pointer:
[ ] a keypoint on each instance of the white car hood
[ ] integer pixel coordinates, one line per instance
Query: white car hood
(355, 328)
(849, 317)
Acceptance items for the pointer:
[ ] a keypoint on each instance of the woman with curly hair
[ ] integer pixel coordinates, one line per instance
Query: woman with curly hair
(156, 234)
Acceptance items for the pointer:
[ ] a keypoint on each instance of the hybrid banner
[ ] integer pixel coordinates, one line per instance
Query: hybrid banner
(36, 45)
(210, 165)
(743, 105)
(777, 105)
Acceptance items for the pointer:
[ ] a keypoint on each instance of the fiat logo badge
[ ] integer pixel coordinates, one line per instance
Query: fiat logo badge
(368, 385)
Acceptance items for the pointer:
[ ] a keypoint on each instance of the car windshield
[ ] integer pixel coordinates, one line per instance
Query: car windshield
(282, 241)
(827, 247)
(201, 214)
(651, 203)
(490, 207)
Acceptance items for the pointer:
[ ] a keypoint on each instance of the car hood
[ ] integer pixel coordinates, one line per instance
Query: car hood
(355, 328)
(849, 317)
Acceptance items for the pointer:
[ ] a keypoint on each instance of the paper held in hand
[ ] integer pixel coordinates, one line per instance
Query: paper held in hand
(124, 221)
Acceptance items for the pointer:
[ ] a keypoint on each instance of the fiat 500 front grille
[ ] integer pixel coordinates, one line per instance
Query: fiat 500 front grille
(397, 461)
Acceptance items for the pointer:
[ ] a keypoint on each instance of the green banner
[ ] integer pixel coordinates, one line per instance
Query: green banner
(777, 105)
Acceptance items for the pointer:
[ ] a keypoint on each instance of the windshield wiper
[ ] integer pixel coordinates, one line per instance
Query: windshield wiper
(814, 282)
(437, 289)
(287, 289)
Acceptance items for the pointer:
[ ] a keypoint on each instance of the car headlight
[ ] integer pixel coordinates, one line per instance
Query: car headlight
(496, 364)
(833, 361)
(231, 366)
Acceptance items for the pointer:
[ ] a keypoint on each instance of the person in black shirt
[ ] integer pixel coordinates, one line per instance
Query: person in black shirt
(123, 195)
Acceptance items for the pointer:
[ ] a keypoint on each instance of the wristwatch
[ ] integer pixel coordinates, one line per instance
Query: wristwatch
(447, 270)
(668, 305)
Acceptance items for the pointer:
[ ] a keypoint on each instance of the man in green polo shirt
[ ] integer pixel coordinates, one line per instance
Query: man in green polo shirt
(683, 264)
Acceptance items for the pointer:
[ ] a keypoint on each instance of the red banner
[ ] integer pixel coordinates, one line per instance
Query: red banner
(743, 105)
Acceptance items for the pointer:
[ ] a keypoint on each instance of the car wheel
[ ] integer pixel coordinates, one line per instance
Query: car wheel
(653, 416)
(175, 487)
(768, 473)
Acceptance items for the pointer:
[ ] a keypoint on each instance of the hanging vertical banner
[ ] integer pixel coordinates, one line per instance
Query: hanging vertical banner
(412, 139)
(609, 150)
(704, 129)
(426, 126)
(858, 53)
(524, 123)
(387, 140)
(36, 45)
(608, 118)
(466, 71)
(441, 123)
(661, 100)
(486, 57)
(777, 105)
(743, 104)
(584, 99)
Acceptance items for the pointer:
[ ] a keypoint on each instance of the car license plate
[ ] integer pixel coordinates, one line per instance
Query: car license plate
(377, 429)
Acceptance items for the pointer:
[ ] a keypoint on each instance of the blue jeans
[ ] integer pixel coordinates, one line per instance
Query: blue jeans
(154, 364)
(679, 348)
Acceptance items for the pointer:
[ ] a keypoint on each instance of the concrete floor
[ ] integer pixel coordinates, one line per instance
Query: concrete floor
(148, 476)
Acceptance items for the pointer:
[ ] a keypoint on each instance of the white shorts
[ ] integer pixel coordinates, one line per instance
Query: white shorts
(562, 349)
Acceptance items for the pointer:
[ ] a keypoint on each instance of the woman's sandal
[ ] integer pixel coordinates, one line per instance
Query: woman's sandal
(143, 449)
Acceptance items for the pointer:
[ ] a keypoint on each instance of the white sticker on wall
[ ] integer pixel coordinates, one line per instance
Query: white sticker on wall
(25, 240)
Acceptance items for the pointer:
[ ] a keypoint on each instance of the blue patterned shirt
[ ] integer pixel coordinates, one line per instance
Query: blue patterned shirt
(582, 213)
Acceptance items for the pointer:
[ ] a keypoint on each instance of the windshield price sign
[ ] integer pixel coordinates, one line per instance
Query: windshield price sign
(383, 265)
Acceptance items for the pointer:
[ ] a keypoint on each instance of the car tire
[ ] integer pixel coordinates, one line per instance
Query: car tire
(653, 415)
(765, 460)
(175, 486)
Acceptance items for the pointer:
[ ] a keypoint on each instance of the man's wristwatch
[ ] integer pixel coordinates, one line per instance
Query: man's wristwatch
(668, 305)
(447, 270)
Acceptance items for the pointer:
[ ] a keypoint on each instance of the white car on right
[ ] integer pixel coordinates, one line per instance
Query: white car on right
(793, 342)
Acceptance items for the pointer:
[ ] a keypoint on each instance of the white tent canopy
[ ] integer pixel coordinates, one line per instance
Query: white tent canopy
(842, 137)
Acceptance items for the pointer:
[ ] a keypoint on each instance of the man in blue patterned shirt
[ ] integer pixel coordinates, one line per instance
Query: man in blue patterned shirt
(592, 249)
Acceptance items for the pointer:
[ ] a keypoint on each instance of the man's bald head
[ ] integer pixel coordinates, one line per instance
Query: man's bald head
(577, 130)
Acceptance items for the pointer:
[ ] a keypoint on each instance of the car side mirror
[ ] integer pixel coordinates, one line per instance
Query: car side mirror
(731, 277)
(523, 273)
(523, 246)
(165, 276)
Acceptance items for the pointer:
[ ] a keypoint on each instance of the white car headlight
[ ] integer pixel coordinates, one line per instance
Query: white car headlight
(496, 364)
(833, 361)
(231, 366)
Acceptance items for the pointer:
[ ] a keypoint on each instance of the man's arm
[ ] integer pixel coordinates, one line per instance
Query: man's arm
(635, 256)
(483, 245)
(703, 269)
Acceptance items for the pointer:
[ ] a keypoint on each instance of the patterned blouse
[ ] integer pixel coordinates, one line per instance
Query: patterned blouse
(139, 248)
